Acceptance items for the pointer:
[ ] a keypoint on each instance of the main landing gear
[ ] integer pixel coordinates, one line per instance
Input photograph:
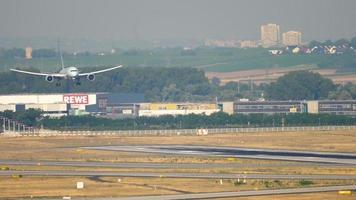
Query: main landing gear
(77, 81)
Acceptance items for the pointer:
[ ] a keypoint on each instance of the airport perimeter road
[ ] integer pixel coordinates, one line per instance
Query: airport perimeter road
(155, 165)
(304, 156)
(236, 194)
(176, 175)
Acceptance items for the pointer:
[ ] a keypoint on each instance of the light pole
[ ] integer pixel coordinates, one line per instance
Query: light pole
(319, 121)
(3, 124)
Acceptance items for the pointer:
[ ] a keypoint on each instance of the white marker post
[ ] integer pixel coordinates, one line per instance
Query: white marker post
(80, 185)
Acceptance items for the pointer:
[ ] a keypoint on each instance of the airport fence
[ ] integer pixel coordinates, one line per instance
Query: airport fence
(172, 132)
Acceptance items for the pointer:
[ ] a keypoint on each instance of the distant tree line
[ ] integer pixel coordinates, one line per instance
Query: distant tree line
(158, 84)
(185, 84)
(18, 53)
(30, 117)
(300, 85)
(192, 121)
(306, 85)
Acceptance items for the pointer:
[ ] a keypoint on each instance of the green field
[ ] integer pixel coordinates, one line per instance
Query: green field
(209, 59)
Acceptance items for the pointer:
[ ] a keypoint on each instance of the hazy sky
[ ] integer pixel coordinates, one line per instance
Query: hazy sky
(157, 19)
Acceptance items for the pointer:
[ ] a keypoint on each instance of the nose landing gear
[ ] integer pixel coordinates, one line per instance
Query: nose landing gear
(58, 82)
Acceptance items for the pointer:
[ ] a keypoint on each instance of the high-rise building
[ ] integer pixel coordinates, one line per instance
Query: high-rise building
(28, 52)
(269, 35)
(292, 38)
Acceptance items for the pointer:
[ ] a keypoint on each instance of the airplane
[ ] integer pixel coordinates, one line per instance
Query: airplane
(66, 73)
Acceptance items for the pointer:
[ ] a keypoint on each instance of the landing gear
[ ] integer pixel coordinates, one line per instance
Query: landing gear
(77, 81)
(58, 84)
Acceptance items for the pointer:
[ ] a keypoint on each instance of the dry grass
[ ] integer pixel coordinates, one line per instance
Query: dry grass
(336, 141)
(301, 170)
(57, 187)
(55, 148)
(311, 196)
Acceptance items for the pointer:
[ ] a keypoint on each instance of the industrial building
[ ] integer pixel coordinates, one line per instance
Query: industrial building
(269, 107)
(346, 107)
(116, 105)
(120, 105)
(112, 105)
(67, 103)
(159, 109)
(335, 107)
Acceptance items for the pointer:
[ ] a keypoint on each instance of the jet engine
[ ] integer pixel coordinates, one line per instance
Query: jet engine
(91, 77)
(49, 78)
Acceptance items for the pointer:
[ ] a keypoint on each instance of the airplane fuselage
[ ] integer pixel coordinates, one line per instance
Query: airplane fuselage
(70, 72)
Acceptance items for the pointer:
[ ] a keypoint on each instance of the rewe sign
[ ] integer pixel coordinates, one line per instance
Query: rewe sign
(75, 99)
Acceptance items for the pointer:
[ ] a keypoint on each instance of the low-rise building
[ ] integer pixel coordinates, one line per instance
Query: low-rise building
(159, 109)
(248, 44)
(339, 107)
(269, 107)
(71, 103)
(117, 105)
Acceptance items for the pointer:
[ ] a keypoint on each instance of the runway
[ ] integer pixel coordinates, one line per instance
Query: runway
(287, 155)
(144, 165)
(231, 194)
(175, 175)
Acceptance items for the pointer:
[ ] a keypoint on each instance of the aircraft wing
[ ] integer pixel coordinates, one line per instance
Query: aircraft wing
(100, 71)
(38, 73)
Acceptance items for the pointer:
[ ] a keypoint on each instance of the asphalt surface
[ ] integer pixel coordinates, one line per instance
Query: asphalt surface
(143, 165)
(175, 175)
(235, 194)
(287, 155)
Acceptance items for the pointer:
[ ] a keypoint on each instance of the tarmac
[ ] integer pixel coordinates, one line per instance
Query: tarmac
(175, 175)
(267, 154)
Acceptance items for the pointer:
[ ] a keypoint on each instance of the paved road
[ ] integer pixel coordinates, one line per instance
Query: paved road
(304, 156)
(157, 165)
(236, 194)
(176, 175)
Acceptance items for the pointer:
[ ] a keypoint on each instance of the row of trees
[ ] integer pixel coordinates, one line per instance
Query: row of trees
(185, 84)
(158, 84)
(305, 85)
(300, 85)
(32, 118)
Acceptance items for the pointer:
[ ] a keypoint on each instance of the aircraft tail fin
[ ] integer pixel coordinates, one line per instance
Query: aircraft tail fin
(60, 54)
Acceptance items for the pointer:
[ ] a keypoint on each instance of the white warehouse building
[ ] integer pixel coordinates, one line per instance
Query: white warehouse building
(51, 104)
(59, 104)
